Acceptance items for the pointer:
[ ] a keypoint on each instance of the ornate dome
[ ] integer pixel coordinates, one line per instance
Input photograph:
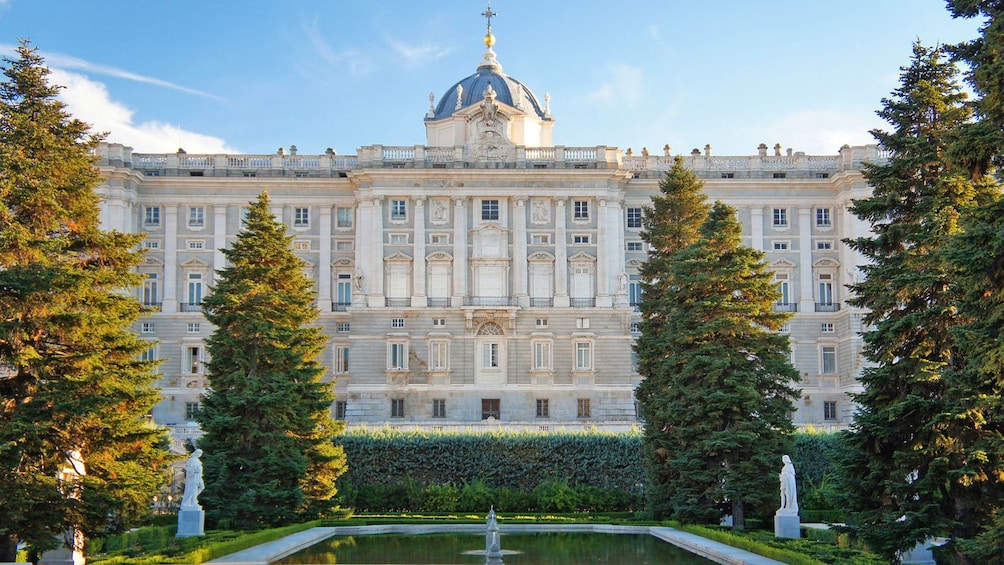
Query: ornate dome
(471, 91)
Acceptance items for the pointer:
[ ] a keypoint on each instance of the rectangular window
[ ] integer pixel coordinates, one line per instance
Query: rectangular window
(250, 174)
(580, 210)
(635, 328)
(194, 327)
(824, 245)
(398, 210)
(634, 289)
(781, 246)
(542, 355)
(340, 406)
(728, 175)
(344, 218)
(438, 407)
(397, 408)
(196, 244)
(490, 210)
(193, 360)
(151, 216)
(826, 327)
(301, 245)
(194, 289)
(583, 356)
(490, 408)
(635, 246)
(342, 327)
(583, 408)
(439, 322)
(541, 322)
(149, 354)
(780, 175)
(343, 292)
(301, 217)
(543, 408)
(147, 327)
(344, 246)
(341, 359)
(191, 410)
(196, 216)
(151, 244)
(634, 217)
(399, 238)
(490, 355)
(151, 294)
(828, 360)
(580, 239)
(398, 357)
(582, 323)
(823, 218)
(825, 291)
(540, 239)
(397, 322)
(780, 217)
(439, 239)
(439, 352)
(830, 410)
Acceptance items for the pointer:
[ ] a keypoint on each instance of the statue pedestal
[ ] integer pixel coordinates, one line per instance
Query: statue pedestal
(787, 525)
(191, 522)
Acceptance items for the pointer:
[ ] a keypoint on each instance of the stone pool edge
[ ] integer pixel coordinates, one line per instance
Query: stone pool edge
(278, 549)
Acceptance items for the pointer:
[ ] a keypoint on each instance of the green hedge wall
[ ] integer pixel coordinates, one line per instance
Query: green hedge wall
(515, 460)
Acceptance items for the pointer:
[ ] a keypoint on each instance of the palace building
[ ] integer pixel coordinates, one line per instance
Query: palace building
(488, 277)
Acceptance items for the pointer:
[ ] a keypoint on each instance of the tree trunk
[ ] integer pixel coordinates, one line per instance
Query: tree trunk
(738, 514)
(8, 548)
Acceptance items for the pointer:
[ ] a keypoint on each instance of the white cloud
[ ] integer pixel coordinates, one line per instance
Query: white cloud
(624, 86)
(417, 54)
(358, 64)
(90, 102)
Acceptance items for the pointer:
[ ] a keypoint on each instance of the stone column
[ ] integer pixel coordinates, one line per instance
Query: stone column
(603, 290)
(219, 237)
(375, 296)
(519, 266)
(806, 302)
(419, 297)
(560, 254)
(459, 252)
(324, 260)
(170, 302)
(756, 228)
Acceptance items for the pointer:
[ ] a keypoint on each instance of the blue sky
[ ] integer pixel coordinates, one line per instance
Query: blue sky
(251, 76)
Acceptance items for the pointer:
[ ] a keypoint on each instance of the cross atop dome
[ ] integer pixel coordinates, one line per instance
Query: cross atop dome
(489, 14)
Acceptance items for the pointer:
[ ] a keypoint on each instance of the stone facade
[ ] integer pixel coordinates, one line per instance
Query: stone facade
(486, 281)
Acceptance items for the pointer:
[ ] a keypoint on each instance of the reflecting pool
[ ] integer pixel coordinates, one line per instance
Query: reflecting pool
(540, 548)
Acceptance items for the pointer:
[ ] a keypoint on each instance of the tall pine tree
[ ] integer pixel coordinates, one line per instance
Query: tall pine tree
(269, 452)
(70, 379)
(718, 398)
(901, 482)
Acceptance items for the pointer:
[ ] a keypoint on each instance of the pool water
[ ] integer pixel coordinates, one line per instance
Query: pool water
(543, 548)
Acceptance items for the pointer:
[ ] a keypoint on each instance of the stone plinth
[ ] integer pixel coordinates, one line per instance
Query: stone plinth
(191, 522)
(787, 525)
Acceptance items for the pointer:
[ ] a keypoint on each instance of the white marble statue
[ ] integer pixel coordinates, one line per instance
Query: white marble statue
(789, 492)
(193, 481)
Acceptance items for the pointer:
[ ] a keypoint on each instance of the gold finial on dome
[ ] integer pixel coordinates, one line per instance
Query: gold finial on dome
(489, 37)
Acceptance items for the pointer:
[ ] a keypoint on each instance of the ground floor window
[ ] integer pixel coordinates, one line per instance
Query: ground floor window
(340, 406)
(439, 408)
(397, 408)
(543, 408)
(490, 408)
(830, 410)
(584, 410)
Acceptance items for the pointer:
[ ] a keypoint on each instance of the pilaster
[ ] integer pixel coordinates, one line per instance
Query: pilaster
(756, 228)
(460, 260)
(560, 254)
(170, 303)
(324, 273)
(806, 302)
(519, 266)
(419, 297)
(219, 238)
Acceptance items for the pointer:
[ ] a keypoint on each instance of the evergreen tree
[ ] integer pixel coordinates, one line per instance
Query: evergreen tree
(670, 224)
(269, 452)
(718, 404)
(73, 393)
(901, 474)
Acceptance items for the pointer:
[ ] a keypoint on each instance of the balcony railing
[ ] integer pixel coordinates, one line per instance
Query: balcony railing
(397, 302)
(488, 301)
(340, 306)
(438, 302)
(582, 302)
(186, 307)
(786, 307)
(541, 302)
(827, 307)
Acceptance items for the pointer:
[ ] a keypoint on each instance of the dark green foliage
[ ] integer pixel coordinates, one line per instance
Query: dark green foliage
(401, 471)
(717, 395)
(269, 452)
(905, 457)
(70, 380)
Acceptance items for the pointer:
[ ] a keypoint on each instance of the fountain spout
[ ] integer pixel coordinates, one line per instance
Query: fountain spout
(493, 549)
